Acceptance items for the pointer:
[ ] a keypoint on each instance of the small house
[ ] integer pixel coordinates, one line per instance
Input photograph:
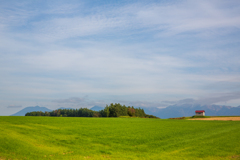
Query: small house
(200, 113)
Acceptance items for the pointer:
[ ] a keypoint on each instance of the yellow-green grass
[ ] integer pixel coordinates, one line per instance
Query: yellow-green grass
(117, 138)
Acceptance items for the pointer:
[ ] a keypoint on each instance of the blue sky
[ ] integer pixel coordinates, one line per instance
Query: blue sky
(141, 53)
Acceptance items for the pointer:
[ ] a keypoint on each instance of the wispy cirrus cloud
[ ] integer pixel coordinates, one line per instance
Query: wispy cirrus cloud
(165, 18)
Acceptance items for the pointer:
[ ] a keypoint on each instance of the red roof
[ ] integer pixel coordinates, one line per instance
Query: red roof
(199, 111)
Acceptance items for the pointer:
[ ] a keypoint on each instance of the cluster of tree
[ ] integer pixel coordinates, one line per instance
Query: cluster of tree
(113, 110)
(82, 112)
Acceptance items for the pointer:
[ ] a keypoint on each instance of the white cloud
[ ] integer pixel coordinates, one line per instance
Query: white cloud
(171, 51)
(167, 19)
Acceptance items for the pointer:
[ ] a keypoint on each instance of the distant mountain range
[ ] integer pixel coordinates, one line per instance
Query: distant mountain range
(31, 109)
(97, 108)
(187, 110)
(183, 110)
(43, 109)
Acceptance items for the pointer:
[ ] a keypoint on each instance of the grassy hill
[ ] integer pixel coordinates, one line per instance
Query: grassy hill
(117, 138)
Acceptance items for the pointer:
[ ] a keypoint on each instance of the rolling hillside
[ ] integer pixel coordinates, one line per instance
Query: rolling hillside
(65, 138)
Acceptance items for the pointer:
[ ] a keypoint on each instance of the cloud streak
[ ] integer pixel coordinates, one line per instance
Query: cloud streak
(14, 106)
(166, 19)
(71, 100)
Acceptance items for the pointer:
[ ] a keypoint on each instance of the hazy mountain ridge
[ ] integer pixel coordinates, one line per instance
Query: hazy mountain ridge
(97, 108)
(183, 110)
(43, 109)
(31, 109)
(186, 110)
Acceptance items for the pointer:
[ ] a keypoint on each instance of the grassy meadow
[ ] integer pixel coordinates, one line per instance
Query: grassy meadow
(117, 138)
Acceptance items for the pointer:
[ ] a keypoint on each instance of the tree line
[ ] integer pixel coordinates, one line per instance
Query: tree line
(112, 110)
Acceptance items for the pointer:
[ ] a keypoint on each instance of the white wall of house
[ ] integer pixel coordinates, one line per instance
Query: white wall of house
(200, 114)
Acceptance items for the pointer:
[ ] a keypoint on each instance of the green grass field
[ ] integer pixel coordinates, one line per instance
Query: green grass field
(117, 138)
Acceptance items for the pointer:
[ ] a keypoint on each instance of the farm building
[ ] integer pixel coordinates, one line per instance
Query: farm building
(200, 113)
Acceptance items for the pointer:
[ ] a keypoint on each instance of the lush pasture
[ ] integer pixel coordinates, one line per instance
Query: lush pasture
(117, 138)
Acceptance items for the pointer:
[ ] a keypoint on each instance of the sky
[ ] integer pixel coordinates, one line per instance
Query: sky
(151, 53)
